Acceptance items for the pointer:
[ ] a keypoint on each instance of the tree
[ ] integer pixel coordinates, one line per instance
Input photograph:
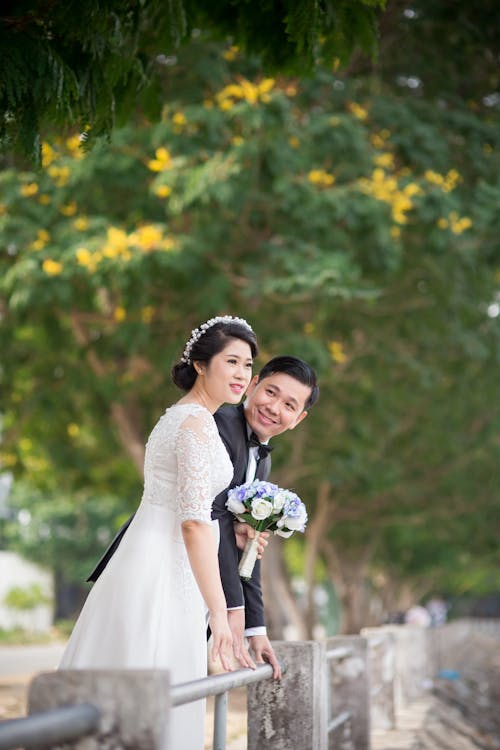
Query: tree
(347, 227)
(86, 64)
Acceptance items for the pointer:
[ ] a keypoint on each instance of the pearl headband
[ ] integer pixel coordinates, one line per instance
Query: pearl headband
(197, 333)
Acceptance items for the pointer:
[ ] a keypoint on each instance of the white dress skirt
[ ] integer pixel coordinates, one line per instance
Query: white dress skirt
(145, 611)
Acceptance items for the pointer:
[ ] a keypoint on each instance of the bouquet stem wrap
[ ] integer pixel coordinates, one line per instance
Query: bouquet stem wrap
(248, 558)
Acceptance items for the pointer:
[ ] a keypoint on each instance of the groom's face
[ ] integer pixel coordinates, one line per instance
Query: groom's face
(275, 404)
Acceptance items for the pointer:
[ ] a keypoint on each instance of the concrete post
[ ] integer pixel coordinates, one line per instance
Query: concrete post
(134, 705)
(413, 662)
(291, 712)
(382, 670)
(349, 690)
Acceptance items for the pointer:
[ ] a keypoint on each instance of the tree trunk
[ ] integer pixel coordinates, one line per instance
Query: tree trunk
(284, 619)
(316, 529)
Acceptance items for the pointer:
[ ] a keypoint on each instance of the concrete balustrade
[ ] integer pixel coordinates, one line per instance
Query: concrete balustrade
(382, 669)
(332, 693)
(291, 712)
(134, 705)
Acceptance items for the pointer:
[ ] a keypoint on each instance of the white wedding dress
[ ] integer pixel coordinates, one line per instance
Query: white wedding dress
(145, 610)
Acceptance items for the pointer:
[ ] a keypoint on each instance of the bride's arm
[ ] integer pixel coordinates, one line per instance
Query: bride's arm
(202, 553)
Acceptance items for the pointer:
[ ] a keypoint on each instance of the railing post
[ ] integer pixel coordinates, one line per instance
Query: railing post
(349, 690)
(134, 704)
(382, 669)
(413, 662)
(290, 712)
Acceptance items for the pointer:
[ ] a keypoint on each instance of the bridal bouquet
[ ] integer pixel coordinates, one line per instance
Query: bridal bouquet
(264, 506)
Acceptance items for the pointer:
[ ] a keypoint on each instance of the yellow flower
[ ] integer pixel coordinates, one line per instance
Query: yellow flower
(83, 256)
(231, 53)
(337, 353)
(244, 90)
(163, 191)
(81, 224)
(59, 175)
(309, 328)
(147, 237)
(69, 209)
(48, 154)
(357, 111)
(294, 141)
(73, 430)
(44, 199)
(74, 146)
(291, 90)
(117, 243)
(28, 190)
(162, 160)
(412, 189)
(266, 85)
(442, 223)
(147, 314)
(179, 119)
(237, 140)
(376, 140)
(119, 314)
(320, 177)
(52, 267)
(42, 237)
(458, 226)
(384, 160)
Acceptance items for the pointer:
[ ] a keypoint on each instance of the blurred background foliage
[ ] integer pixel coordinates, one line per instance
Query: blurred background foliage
(351, 215)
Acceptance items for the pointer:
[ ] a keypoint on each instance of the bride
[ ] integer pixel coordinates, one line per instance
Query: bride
(148, 608)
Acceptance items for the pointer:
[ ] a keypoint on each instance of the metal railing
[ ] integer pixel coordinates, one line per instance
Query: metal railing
(70, 723)
(50, 727)
(219, 685)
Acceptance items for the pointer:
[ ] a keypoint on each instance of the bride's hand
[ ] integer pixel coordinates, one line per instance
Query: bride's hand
(242, 532)
(222, 639)
(236, 619)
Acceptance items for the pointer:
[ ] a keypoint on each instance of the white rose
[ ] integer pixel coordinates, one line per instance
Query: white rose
(285, 534)
(279, 501)
(235, 506)
(261, 508)
(295, 523)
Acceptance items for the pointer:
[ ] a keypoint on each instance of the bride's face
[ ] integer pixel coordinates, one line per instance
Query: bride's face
(227, 375)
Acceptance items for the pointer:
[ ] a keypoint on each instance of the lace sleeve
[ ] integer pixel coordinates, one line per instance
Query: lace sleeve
(194, 477)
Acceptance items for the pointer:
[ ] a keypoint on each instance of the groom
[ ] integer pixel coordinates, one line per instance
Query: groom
(277, 400)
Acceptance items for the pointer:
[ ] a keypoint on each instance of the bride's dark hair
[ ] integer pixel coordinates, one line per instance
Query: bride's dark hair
(212, 341)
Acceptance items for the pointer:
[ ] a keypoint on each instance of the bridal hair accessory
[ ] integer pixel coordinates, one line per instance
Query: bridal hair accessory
(197, 333)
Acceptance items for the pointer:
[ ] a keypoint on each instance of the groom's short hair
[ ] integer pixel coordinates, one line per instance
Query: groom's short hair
(296, 368)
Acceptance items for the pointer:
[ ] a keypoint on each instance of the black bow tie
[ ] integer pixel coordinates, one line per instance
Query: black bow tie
(264, 448)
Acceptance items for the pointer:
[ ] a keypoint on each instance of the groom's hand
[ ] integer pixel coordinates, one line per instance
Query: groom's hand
(264, 652)
(242, 532)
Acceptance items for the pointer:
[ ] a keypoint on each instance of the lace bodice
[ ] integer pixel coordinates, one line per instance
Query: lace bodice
(186, 464)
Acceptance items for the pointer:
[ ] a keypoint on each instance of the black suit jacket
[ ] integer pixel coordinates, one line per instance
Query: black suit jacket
(232, 427)
(233, 430)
